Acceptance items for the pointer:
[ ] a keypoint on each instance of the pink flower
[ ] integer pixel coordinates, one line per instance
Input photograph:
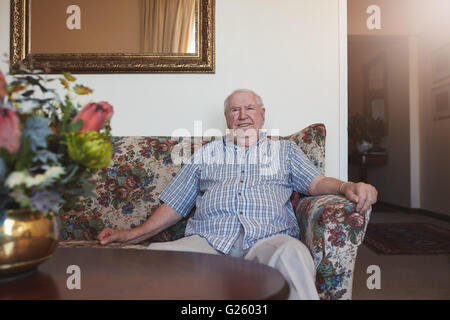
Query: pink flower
(172, 141)
(104, 200)
(131, 182)
(321, 131)
(95, 115)
(89, 234)
(307, 138)
(9, 130)
(356, 220)
(337, 237)
(162, 146)
(121, 192)
(111, 185)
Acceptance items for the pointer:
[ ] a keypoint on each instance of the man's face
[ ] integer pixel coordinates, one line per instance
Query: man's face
(243, 113)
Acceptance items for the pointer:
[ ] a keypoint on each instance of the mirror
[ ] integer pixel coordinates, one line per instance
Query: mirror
(111, 36)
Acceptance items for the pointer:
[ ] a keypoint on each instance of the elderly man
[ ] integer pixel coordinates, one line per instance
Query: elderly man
(241, 187)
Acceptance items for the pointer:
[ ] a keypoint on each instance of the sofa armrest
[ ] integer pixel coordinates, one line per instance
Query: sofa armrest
(332, 230)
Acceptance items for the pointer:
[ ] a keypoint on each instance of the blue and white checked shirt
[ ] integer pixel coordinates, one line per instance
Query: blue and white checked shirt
(232, 188)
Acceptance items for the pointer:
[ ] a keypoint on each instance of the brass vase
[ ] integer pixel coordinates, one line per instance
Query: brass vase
(26, 239)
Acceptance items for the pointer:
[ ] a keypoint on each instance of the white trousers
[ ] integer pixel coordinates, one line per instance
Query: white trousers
(282, 252)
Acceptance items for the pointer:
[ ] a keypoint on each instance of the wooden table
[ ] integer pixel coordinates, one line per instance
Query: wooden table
(366, 160)
(148, 274)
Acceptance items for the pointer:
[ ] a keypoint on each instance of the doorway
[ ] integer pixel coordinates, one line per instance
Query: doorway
(378, 109)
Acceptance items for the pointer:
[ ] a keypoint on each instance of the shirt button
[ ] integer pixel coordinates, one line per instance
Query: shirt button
(242, 181)
(239, 193)
(240, 212)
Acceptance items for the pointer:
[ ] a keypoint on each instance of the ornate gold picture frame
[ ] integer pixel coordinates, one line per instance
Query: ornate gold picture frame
(200, 60)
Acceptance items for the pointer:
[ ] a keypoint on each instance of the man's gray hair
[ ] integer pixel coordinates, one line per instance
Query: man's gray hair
(258, 98)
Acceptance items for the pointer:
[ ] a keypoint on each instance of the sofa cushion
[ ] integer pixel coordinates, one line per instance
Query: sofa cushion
(127, 191)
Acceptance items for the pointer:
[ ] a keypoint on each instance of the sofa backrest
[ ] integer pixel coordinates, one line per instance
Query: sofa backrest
(127, 191)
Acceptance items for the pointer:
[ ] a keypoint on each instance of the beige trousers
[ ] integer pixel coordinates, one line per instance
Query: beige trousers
(282, 252)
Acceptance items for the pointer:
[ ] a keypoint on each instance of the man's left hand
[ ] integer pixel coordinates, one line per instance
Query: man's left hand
(363, 194)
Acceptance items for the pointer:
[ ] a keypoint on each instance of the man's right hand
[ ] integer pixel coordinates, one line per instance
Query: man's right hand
(108, 235)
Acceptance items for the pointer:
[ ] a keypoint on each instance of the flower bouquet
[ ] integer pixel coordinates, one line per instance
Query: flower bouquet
(50, 144)
(364, 131)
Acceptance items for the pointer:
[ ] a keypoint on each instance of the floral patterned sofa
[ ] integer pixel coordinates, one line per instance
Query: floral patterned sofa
(127, 193)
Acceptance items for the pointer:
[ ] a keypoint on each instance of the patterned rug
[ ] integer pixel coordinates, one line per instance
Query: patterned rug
(407, 238)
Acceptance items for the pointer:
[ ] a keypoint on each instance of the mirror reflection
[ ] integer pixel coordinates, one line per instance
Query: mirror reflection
(114, 26)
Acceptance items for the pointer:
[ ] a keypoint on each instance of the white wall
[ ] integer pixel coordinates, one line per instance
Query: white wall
(434, 135)
(288, 51)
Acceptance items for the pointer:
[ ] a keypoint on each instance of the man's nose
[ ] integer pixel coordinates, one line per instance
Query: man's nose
(242, 114)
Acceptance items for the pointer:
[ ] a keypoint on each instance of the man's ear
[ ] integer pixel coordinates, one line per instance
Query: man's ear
(226, 120)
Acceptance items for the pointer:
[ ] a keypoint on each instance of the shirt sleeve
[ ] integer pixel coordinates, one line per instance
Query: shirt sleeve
(181, 193)
(301, 170)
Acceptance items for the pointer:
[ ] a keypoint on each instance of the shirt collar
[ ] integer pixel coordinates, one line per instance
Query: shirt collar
(229, 141)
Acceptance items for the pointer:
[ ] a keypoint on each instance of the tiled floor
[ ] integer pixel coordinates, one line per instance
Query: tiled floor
(403, 276)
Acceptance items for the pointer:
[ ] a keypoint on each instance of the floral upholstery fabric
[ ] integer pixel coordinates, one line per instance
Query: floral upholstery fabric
(332, 230)
(127, 191)
(312, 141)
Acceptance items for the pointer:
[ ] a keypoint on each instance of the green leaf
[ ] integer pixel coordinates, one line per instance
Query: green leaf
(36, 81)
(15, 87)
(77, 233)
(74, 126)
(318, 230)
(325, 269)
(69, 76)
(3, 170)
(102, 175)
(96, 224)
(353, 235)
(67, 110)
(28, 93)
(71, 174)
(138, 173)
(65, 83)
(9, 158)
(82, 90)
(24, 156)
(20, 197)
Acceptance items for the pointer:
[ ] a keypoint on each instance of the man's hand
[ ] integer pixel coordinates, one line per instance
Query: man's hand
(108, 235)
(363, 194)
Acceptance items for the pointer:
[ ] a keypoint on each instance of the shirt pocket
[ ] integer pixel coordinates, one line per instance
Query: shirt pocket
(214, 172)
